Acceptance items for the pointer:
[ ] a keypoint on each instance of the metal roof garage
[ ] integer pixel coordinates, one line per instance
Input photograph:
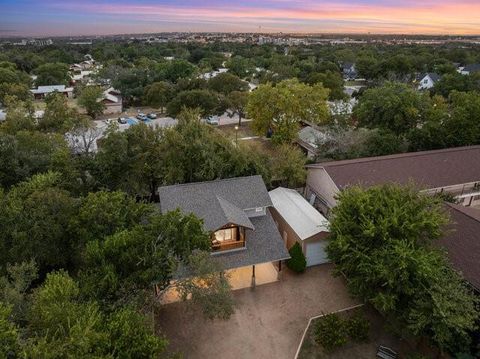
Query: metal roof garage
(298, 221)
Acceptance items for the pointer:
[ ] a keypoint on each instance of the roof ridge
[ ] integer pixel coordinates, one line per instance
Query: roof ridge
(390, 157)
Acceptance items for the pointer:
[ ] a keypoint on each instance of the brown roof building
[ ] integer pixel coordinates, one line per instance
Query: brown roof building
(455, 171)
(462, 242)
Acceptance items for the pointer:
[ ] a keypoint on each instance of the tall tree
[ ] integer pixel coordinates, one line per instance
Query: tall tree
(282, 107)
(381, 240)
(52, 74)
(91, 99)
(393, 106)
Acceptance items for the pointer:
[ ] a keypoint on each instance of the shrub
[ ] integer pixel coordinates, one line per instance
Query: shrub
(358, 328)
(330, 332)
(297, 263)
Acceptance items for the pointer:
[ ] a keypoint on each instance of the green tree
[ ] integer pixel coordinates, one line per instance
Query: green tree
(52, 74)
(14, 287)
(174, 70)
(205, 285)
(193, 151)
(381, 240)
(282, 107)
(9, 334)
(237, 103)
(393, 106)
(226, 83)
(58, 117)
(127, 265)
(158, 94)
(36, 219)
(131, 160)
(288, 166)
(20, 116)
(208, 102)
(91, 100)
(330, 80)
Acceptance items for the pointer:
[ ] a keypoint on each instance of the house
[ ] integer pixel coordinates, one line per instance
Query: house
(236, 213)
(308, 139)
(299, 222)
(112, 99)
(349, 71)
(462, 242)
(42, 91)
(455, 171)
(469, 69)
(428, 81)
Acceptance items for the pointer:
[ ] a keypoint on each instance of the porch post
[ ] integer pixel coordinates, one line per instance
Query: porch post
(253, 276)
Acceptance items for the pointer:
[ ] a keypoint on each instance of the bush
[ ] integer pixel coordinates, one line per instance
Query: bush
(297, 263)
(358, 328)
(330, 332)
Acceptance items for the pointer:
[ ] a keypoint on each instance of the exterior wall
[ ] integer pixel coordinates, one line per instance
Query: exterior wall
(322, 186)
(111, 108)
(285, 229)
(256, 212)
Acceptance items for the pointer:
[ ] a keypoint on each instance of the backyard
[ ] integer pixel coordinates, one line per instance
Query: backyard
(379, 334)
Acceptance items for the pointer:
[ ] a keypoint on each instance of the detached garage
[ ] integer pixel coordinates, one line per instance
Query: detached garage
(298, 221)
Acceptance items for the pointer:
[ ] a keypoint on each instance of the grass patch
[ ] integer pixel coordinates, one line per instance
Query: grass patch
(359, 347)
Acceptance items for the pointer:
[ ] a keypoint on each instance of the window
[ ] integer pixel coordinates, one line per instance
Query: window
(227, 234)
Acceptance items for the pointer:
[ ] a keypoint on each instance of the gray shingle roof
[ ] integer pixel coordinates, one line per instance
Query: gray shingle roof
(217, 202)
(472, 68)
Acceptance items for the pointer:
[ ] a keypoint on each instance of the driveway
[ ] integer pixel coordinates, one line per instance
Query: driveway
(268, 322)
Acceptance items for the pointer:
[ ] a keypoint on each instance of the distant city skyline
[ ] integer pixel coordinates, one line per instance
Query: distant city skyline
(104, 17)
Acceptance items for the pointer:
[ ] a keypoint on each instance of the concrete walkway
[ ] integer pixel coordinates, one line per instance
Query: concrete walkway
(268, 322)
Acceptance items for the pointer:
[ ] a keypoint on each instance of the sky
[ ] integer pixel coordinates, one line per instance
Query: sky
(101, 17)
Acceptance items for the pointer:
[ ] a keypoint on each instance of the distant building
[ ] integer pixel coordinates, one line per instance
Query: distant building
(112, 100)
(469, 69)
(42, 91)
(349, 71)
(428, 81)
(308, 139)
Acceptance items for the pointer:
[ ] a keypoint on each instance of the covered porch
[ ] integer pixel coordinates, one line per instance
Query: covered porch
(258, 274)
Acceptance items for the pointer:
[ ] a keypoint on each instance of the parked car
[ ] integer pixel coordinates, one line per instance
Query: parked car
(212, 120)
(142, 117)
(122, 120)
(152, 116)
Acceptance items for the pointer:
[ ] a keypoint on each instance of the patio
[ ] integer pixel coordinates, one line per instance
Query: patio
(268, 322)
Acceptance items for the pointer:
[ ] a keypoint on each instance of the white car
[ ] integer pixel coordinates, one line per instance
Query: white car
(213, 120)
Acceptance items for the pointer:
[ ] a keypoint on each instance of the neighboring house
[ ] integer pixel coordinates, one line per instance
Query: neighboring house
(428, 81)
(349, 71)
(236, 213)
(299, 222)
(112, 100)
(455, 171)
(212, 74)
(308, 139)
(469, 69)
(42, 91)
(80, 76)
(462, 242)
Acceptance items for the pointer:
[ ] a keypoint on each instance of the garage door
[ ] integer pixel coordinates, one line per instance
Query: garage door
(316, 253)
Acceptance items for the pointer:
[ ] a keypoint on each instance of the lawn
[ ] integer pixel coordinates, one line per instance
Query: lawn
(379, 334)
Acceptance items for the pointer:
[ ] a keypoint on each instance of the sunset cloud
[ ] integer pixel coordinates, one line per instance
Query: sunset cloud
(353, 16)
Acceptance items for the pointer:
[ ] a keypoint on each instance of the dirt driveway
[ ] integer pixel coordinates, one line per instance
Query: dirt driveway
(268, 322)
